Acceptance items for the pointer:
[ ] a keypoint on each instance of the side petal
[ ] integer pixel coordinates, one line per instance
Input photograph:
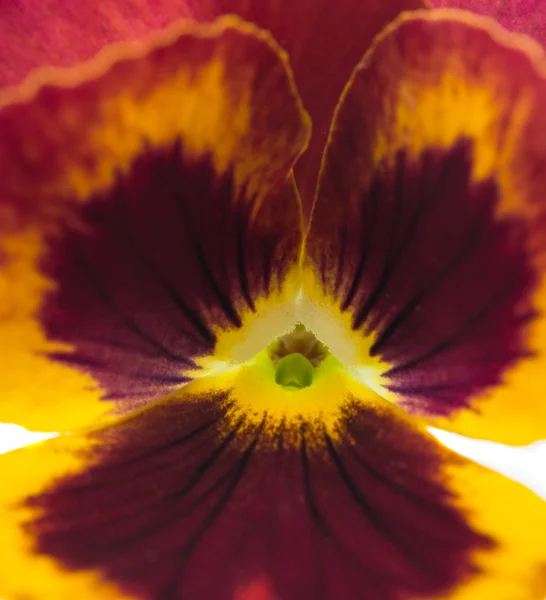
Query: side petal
(61, 33)
(324, 40)
(432, 196)
(146, 206)
(523, 16)
(194, 485)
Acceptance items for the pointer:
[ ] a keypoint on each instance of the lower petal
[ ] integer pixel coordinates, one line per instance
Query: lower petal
(199, 496)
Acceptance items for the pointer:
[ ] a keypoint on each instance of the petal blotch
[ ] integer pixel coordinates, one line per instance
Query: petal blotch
(432, 194)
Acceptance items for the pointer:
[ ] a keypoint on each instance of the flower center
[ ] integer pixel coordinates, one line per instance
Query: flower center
(295, 356)
(294, 381)
(294, 371)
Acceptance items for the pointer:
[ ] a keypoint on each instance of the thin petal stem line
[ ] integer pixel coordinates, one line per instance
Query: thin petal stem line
(117, 549)
(83, 361)
(281, 262)
(171, 592)
(328, 534)
(390, 482)
(421, 500)
(370, 513)
(368, 212)
(130, 323)
(267, 269)
(149, 507)
(393, 259)
(377, 197)
(118, 345)
(176, 496)
(318, 520)
(154, 270)
(140, 458)
(341, 258)
(451, 340)
(410, 307)
(241, 242)
(223, 300)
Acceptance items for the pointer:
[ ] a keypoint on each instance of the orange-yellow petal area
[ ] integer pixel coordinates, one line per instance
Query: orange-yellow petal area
(199, 109)
(428, 231)
(211, 480)
(224, 88)
(24, 473)
(36, 392)
(325, 41)
(516, 568)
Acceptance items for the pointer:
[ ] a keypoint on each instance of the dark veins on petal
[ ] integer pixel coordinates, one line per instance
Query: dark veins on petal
(184, 503)
(150, 267)
(442, 282)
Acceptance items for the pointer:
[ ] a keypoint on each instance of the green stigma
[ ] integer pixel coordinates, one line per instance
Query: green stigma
(294, 371)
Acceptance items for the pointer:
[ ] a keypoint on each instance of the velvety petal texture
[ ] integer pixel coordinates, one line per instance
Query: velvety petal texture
(523, 16)
(64, 33)
(190, 498)
(324, 40)
(152, 249)
(146, 207)
(429, 224)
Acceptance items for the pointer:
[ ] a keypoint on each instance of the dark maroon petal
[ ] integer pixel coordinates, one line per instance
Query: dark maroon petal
(442, 286)
(153, 267)
(187, 501)
(147, 206)
(429, 223)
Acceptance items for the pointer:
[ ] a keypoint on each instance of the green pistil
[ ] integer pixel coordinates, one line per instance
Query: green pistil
(294, 371)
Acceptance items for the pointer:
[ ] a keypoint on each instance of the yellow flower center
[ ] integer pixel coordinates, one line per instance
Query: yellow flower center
(296, 378)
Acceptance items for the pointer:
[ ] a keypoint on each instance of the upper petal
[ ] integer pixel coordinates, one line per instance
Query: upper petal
(146, 207)
(524, 16)
(63, 33)
(324, 40)
(432, 197)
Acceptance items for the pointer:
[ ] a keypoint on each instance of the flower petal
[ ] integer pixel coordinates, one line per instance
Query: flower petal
(324, 40)
(62, 33)
(145, 208)
(432, 200)
(188, 499)
(523, 16)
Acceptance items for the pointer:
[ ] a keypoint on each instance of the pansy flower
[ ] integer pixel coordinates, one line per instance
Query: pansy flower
(243, 391)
